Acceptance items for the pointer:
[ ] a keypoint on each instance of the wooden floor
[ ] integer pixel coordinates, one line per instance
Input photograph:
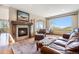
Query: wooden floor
(29, 40)
(9, 51)
(6, 51)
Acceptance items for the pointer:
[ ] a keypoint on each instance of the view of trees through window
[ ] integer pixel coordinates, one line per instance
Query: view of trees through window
(62, 23)
(4, 25)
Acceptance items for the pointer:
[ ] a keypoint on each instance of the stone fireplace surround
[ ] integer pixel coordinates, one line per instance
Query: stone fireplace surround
(22, 37)
(20, 24)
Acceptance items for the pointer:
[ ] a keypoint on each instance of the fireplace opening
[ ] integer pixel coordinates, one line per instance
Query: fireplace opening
(22, 31)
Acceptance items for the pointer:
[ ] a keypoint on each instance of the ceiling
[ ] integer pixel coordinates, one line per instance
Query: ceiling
(46, 10)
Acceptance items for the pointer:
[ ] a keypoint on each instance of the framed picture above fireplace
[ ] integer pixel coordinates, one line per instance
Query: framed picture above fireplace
(22, 16)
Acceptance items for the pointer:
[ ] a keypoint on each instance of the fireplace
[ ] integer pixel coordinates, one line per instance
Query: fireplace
(22, 32)
(21, 29)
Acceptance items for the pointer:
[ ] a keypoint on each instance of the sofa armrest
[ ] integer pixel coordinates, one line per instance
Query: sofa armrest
(48, 50)
(66, 36)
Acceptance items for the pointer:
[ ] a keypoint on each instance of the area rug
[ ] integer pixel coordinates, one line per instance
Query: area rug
(24, 48)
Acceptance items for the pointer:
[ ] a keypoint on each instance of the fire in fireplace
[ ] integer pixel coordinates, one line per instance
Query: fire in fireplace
(22, 31)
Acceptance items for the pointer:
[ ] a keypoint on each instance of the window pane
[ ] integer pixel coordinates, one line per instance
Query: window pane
(61, 24)
(4, 25)
(39, 25)
(4, 35)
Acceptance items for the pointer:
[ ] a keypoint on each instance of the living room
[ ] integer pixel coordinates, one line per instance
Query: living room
(30, 28)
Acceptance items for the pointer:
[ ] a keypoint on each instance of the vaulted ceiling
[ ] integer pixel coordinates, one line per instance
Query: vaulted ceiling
(46, 10)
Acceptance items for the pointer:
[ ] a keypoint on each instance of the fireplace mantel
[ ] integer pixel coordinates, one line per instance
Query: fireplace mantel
(21, 23)
(15, 23)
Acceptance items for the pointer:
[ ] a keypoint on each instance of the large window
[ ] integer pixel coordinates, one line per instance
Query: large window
(4, 26)
(4, 35)
(39, 25)
(61, 24)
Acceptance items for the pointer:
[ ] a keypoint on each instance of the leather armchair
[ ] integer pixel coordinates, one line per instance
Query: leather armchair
(42, 31)
(40, 34)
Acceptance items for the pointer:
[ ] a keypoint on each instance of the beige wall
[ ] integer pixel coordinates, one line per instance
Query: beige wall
(78, 19)
(4, 13)
(12, 14)
(9, 13)
(75, 21)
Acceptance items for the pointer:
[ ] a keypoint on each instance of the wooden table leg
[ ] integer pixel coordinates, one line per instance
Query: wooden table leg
(39, 45)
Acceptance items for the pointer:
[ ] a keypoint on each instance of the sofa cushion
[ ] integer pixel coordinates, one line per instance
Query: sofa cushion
(57, 47)
(74, 39)
(74, 46)
(60, 42)
(63, 39)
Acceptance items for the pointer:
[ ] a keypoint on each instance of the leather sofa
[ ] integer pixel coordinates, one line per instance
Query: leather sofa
(57, 48)
(63, 46)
